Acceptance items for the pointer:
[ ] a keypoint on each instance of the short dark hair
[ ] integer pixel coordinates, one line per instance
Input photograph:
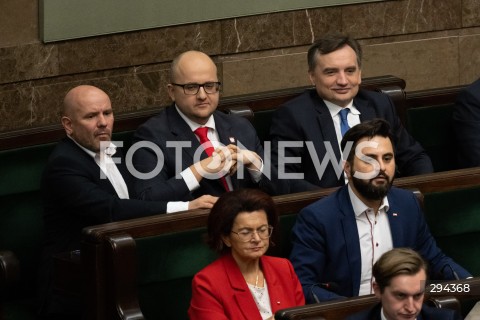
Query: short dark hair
(228, 206)
(332, 42)
(367, 129)
(398, 261)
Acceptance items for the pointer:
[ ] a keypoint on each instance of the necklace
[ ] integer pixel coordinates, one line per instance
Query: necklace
(256, 280)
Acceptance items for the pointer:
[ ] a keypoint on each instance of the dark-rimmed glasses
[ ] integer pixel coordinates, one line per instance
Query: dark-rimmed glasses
(246, 235)
(193, 88)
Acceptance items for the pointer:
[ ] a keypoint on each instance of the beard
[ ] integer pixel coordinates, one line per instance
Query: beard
(370, 191)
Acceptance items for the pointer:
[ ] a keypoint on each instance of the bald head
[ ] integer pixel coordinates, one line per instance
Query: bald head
(194, 68)
(81, 95)
(88, 116)
(190, 61)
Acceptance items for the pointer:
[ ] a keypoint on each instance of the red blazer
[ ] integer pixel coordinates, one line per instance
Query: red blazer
(219, 291)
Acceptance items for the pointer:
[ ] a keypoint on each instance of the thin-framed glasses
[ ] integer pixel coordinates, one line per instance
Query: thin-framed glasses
(246, 235)
(193, 88)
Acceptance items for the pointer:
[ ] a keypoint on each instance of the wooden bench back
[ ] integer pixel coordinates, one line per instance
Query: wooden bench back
(339, 309)
(100, 255)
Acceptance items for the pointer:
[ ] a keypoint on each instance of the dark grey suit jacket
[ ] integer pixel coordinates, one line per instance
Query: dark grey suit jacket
(466, 124)
(75, 197)
(307, 118)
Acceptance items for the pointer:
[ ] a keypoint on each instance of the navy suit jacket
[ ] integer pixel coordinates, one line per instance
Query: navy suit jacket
(75, 197)
(168, 127)
(326, 247)
(427, 313)
(466, 124)
(307, 118)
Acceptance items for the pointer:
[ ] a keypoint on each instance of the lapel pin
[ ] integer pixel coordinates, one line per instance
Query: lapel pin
(395, 214)
(232, 139)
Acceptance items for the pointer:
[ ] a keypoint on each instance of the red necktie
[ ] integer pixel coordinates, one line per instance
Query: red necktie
(202, 135)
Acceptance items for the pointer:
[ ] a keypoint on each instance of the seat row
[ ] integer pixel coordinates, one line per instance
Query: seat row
(24, 153)
(142, 268)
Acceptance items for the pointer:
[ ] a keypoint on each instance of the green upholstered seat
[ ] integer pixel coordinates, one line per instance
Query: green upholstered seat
(454, 220)
(262, 121)
(432, 127)
(21, 223)
(125, 136)
(167, 264)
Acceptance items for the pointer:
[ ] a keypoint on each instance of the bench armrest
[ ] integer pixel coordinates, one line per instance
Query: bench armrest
(444, 302)
(121, 252)
(242, 111)
(9, 269)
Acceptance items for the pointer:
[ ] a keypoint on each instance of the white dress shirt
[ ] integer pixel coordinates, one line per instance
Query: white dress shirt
(108, 168)
(374, 235)
(187, 174)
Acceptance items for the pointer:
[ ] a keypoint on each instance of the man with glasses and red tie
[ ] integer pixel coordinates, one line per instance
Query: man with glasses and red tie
(190, 149)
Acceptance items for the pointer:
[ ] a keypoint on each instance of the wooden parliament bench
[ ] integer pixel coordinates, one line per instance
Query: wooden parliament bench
(142, 268)
(23, 154)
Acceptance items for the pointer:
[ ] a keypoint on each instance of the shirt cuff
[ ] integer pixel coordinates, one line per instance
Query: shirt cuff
(175, 206)
(256, 174)
(190, 180)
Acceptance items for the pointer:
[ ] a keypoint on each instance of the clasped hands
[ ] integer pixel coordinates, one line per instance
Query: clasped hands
(225, 161)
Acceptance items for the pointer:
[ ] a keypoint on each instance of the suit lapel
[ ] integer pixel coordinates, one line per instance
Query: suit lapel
(277, 297)
(325, 122)
(241, 293)
(366, 112)
(350, 234)
(180, 129)
(396, 226)
(91, 166)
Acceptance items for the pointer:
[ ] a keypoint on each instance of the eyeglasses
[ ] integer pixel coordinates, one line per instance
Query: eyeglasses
(193, 88)
(264, 232)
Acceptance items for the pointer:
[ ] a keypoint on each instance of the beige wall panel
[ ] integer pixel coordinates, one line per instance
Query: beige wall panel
(424, 64)
(264, 74)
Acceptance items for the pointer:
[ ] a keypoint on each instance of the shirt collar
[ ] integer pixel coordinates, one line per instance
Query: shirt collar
(335, 109)
(193, 125)
(359, 207)
(110, 150)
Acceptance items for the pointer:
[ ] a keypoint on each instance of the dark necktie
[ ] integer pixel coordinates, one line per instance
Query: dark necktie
(343, 120)
(202, 135)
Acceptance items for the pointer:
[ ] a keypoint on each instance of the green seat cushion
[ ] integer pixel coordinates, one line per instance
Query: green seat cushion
(281, 236)
(432, 127)
(125, 136)
(167, 264)
(262, 121)
(21, 231)
(22, 168)
(454, 220)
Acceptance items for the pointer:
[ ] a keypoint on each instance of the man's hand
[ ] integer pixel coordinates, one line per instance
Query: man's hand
(204, 202)
(244, 157)
(215, 166)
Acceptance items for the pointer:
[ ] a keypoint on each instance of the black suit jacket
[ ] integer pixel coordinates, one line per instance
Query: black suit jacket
(168, 128)
(307, 118)
(74, 197)
(466, 124)
(427, 313)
